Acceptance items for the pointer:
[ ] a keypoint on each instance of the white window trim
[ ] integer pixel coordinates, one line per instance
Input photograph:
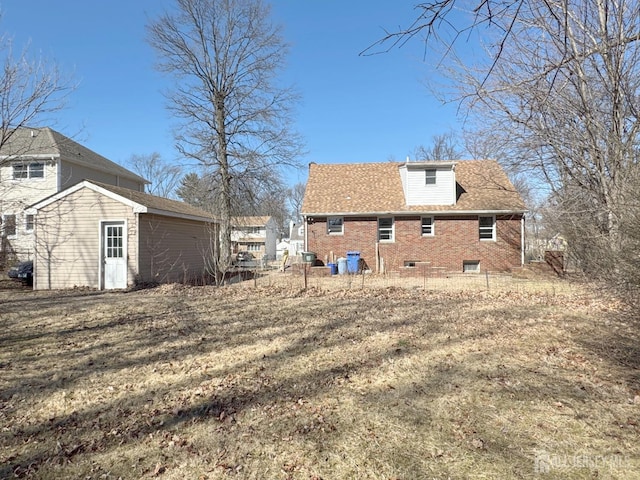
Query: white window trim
(427, 176)
(467, 264)
(26, 222)
(29, 177)
(341, 232)
(393, 230)
(493, 228)
(433, 226)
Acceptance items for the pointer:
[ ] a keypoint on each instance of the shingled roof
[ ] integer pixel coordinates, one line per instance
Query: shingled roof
(376, 188)
(45, 142)
(141, 202)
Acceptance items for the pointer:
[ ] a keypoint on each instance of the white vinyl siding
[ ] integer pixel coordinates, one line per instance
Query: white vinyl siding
(72, 234)
(434, 188)
(173, 249)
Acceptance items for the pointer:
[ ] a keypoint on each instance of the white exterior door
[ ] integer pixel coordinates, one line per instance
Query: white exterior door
(114, 255)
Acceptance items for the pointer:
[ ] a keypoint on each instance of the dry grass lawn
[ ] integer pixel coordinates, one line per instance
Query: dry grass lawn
(277, 383)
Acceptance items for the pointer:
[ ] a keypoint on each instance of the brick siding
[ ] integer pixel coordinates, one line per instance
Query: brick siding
(456, 240)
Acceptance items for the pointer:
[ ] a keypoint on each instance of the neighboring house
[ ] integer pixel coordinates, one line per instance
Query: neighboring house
(258, 235)
(295, 243)
(36, 163)
(296, 238)
(102, 236)
(461, 216)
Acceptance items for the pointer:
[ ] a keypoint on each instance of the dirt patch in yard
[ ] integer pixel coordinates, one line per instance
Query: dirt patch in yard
(284, 383)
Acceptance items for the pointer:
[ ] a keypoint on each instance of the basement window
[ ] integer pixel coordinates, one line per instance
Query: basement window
(471, 266)
(410, 263)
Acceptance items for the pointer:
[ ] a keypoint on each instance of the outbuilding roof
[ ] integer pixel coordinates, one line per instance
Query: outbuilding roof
(376, 188)
(139, 201)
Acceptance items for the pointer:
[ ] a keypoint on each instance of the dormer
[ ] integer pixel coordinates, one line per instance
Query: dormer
(429, 182)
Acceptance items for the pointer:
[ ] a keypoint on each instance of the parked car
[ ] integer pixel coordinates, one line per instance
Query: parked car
(23, 272)
(244, 257)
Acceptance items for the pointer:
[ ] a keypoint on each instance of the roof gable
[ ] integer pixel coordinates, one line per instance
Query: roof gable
(47, 143)
(140, 202)
(376, 188)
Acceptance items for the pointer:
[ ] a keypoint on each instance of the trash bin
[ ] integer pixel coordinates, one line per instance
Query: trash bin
(342, 266)
(309, 257)
(353, 258)
(333, 267)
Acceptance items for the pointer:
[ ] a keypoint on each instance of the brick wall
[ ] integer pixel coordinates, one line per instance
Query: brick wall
(456, 239)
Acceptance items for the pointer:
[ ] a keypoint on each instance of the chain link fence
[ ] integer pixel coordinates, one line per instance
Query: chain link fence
(300, 276)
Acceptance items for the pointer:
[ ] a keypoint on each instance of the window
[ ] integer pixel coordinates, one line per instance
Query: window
(114, 242)
(487, 228)
(9, 226)
(335, 225)
(385, 229)
(28, 224)
(471, 266)
(427, 226)
(430, 177)
(28, 170)
(254, 247)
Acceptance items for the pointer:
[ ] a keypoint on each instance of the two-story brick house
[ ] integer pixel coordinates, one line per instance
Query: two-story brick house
(441, 215)
(36, 163)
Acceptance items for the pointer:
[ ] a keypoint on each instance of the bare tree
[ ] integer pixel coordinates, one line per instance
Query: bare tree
(224, 56)
(31, 90)
(443, 146)
(164, 177)
(565, 94)
(295, 196)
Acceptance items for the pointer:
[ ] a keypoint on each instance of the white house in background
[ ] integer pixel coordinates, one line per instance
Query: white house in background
(295, 243)
(36, 163)
(296, 238)
(258, 235)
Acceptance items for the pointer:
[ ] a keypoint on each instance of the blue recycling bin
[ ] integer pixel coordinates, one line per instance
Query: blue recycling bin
(333, 268)
(353, 259)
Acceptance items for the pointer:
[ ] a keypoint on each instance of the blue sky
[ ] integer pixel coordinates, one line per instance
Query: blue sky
(353, 108)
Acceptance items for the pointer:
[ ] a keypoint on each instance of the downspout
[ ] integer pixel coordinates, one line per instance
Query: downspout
(138, 239)
(522, 227)
(306, 233)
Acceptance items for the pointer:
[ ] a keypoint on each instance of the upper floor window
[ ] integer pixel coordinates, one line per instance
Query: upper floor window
(8, 225)
(427, 226)
(28, 223)
(28, 170)
(251, 230)
(335, 225)
(385, 229)
(430, 176)
(487, 228)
